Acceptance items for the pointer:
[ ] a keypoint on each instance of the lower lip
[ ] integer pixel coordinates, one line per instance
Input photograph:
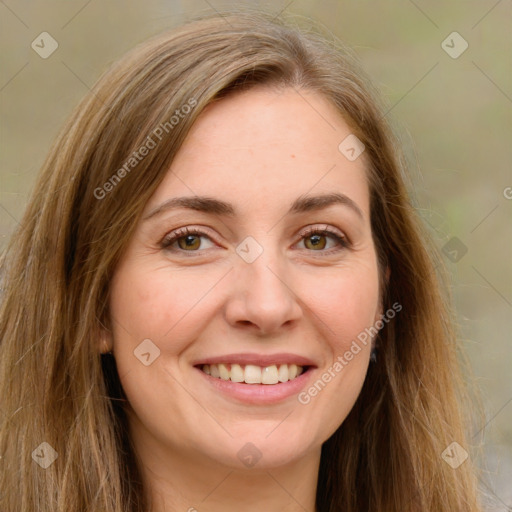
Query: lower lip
(259, 393)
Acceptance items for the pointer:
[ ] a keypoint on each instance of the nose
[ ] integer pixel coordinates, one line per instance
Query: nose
(263, 297)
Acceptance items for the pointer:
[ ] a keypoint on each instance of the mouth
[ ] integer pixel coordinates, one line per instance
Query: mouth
(254, 374)
(256, 378)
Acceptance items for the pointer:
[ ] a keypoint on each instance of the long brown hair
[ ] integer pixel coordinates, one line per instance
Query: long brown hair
(57, 389)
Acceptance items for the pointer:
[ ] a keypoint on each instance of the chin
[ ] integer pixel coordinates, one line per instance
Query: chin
(260, 451)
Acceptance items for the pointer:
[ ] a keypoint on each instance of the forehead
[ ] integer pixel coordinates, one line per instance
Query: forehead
(265, 146)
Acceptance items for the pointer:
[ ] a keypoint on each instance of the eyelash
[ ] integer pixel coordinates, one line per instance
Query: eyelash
(183, 232)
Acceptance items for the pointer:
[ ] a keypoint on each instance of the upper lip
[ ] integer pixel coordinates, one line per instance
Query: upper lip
(257, 359)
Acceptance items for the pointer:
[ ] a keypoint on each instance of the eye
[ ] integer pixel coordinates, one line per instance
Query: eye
(187, 239)
(315, 239)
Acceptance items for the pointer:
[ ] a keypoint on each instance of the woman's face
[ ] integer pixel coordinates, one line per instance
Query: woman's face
(260, 289)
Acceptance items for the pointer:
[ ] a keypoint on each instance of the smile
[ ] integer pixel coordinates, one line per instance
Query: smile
(253, 374)
(251, 378)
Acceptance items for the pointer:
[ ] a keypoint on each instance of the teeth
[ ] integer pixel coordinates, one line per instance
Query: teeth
(237, 373)
(252, 374)
(269, 375)
(224, 373)
(214, 371)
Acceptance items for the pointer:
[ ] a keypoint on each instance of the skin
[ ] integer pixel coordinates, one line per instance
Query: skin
(258, 150)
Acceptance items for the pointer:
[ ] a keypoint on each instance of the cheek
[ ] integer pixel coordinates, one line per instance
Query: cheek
(345, 307)
(347, 303)
(171, 309)
(157, 304)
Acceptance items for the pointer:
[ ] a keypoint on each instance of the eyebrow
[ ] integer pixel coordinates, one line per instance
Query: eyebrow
(214, 206)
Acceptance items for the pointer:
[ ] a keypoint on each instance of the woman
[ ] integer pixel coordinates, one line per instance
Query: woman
(221, 298)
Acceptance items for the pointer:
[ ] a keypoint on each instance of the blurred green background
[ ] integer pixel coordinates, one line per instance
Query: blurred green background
(453, 115)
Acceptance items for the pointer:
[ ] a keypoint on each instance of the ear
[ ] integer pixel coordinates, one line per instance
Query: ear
(105, 342)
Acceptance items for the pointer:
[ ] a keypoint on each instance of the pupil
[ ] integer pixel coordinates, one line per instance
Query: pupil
(316, 241)
(188, 241)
